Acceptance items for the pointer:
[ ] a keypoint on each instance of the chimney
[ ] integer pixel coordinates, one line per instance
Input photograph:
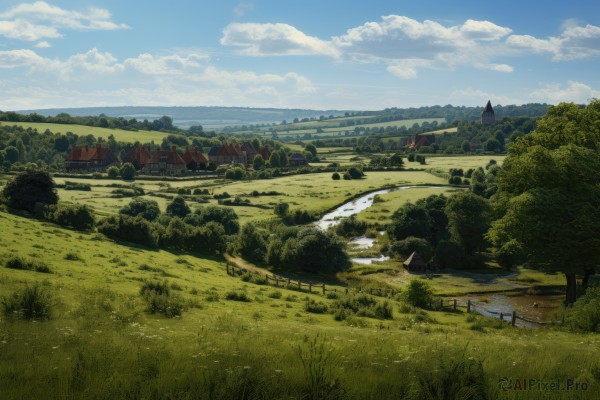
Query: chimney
(173, 148)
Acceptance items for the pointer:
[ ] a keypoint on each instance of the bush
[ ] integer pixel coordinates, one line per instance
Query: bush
(131, 229)
(28, 188)
(448, 254)
(113, 172)
(361, 305)
(418, 293)
(350, 227)
(145, 208)
(160, 300)
(77, 216)
(27, 265)
(31, 303)
(335, 176)
(85, 187)
(355, 173)
(411, 244)
(127, 171)
(178, 208)
(584, 315)
(237, 296)
(312, 306)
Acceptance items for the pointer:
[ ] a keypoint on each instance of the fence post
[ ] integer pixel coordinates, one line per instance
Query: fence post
(310, 288)
(441, 303)
(514, 318)
(501, 316)
(323, 289)
(454, 304)
(346, 290)
(277, 281)
(227, 268)
(469, 305)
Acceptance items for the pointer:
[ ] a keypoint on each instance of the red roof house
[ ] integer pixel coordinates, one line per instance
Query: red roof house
(138, 156)
(89, 158)
(165, 162)
(194, 158)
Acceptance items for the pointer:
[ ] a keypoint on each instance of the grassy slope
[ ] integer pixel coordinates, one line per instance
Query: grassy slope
(101, 343)
(119, 134)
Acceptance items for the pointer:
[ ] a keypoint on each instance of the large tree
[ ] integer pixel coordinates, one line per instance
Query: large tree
(469, 218)
(549, 194)
(30, 187)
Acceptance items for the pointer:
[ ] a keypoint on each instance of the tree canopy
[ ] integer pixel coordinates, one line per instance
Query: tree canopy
(30, 187)
(549, 192)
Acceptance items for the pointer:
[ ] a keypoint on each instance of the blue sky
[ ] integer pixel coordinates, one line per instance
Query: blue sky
(310, 54)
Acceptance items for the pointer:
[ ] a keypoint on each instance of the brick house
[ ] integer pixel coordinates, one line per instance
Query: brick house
(89, 158)
(138, 156)
(166, 163)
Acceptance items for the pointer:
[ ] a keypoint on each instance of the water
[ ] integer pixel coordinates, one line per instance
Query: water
(357, 205)
(524, 305)
(369, 260)
(361, 243)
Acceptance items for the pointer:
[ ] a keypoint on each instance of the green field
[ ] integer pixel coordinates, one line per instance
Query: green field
(101, 343)
(82, 130)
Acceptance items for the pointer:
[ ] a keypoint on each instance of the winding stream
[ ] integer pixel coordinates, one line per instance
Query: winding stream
(355, 206)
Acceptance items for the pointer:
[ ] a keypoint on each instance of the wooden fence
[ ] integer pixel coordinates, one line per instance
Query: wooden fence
(454, 304)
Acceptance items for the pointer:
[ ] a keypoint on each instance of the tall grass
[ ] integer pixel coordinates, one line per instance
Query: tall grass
(30, 303)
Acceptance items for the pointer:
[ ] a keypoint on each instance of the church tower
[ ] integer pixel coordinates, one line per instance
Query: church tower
(487, 116)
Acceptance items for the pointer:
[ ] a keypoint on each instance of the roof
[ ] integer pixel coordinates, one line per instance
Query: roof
(414, 260)
(138, 155)
(88, 153)
(172, 157)
(194, 155)
(488, 107)
(264, 152)
(229, 149)
(248, 148)
(297, 157)
(213, 151)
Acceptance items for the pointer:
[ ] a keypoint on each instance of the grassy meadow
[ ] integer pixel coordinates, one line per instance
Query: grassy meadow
(101, 343)
(82, 130)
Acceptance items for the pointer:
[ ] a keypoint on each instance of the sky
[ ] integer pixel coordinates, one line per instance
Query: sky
(325, 54)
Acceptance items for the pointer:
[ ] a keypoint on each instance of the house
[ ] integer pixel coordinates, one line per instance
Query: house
(414, 263)
(165, 162)
(417, 141)
(89, 158)
(297, 160)
(194, 159)
(487, 115)
(229, 153)
(250, 152)
(265, 153)
(138, 156)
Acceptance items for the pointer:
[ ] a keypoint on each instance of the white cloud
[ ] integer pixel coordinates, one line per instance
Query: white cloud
(483, 30)
(180, 78)
(575, 42)
(574, 92)
(495, 67)
(480, 97)
(274, 39)
(35, 21)
(42, 45)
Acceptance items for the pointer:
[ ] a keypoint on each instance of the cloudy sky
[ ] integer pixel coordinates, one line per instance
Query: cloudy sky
(324, 54)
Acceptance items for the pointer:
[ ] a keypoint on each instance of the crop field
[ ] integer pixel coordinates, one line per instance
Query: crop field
(101, 342)
(447, 162)
(82, 130)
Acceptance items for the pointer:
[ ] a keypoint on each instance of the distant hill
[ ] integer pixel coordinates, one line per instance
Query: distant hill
(184, 117)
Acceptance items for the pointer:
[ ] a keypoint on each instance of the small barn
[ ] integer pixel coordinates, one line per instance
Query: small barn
(415, 263)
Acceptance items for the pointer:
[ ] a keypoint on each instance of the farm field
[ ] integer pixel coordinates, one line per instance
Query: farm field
(465, 162)
(81, 130)
(102, 343)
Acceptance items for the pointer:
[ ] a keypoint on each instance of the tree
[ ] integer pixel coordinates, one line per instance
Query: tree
(410, 220)
(145, 208)
(466, 147)
(127, 171)
(258, 162)
(274, 160)
(311, 149)
(469, 218)
(335, 176)
(178, 208)
(12, 154)
(411, 244)
(30, 187)
(549, 191)
(251, 244)
(281, 209)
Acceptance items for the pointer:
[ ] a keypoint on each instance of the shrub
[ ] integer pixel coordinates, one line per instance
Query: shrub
(418, 293)
(28, 188)
(355, 173)
(275, 294)
(86, 187)
(361, 305)
(72, 257)
(113, 172)
(147, 209)
(160, 300)
(127, 171)
(584, 315)
(350, 227)
(312, 306)
(131, 229)
(237, 296)
(27, 265)
(335, 176)
(411, 244)
(78, 216)
(31, 303)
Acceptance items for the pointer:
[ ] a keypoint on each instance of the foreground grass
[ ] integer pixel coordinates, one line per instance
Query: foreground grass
(102, 344)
